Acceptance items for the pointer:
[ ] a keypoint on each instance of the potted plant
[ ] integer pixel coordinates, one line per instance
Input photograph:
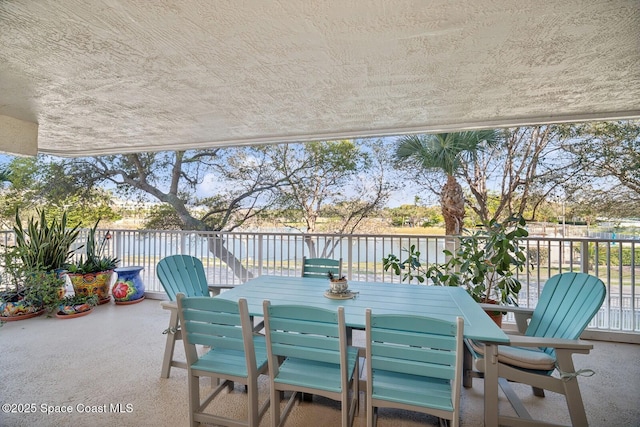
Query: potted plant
(411, 268)
(72, 306)
(337, 284)
(43, 245)
(13, 305)
(28, 292)
(43, 289)
(91, 275)
(485, 263)
(42, 248)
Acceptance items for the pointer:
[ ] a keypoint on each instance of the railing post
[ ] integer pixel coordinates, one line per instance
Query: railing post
(118, 241)
(183, 242)
(349, 256)
(584, 256)
(260, 255)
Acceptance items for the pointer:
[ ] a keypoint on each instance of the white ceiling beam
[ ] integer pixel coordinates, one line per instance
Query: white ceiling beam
(18, 136)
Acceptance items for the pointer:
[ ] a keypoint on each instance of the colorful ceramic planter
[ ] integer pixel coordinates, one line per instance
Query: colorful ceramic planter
(19, 310)
(128, 288)
(73, 311)
(92, 284)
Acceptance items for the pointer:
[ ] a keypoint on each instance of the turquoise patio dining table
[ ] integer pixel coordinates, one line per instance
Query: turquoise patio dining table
(435, 301)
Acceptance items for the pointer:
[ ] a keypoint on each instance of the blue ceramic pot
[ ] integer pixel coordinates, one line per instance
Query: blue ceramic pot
(128, 287)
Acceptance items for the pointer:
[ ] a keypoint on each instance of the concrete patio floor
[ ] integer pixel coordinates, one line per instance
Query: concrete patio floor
(104, 370)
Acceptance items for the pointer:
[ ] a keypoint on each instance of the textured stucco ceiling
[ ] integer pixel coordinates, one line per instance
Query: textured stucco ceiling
(125, 75)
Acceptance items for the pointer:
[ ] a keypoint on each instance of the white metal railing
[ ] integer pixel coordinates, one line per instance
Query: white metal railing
(242, 255)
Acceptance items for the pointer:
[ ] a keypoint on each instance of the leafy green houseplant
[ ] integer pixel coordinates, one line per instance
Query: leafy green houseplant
(488, 261)
(33, 265)
(410, 268)
(11, 275)
(91, 274)
(485, 263)
(27, 291)
(13, 305)
(44, 289)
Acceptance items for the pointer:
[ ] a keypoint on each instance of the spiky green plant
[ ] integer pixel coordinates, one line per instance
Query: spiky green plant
(93, 260)
(43, 245)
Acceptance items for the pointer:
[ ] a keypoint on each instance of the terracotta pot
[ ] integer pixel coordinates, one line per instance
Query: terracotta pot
(496, 316)
(11, 311)
(73, 314)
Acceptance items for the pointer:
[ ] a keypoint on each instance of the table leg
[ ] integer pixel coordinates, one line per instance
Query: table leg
(490, 385)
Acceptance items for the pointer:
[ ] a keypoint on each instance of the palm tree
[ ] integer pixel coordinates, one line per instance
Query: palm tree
(446, 152)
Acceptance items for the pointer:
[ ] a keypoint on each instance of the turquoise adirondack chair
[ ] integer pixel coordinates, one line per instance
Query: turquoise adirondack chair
(312, 345)
(567, 304)
(235, 354)
(320, 267)
(414, 363)
(181, 274)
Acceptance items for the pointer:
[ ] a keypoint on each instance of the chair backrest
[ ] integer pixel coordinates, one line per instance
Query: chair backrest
(182, 273)
(308, 333)
(218, 324)
(320, 267)
(567, 304)
(418, 346)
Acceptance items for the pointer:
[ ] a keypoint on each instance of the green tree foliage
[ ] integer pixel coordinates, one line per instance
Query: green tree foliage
(20, 191)
(609, 153)
(163, 217)
(516, 174)
(337, 178)
(41, 182)
(338, 181)
(415, 216)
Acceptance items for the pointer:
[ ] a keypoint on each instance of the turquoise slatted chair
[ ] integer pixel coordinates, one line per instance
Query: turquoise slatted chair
(312, 345)
(181, 274)
(414, 363)
(320, 267)
(567, 304)
(235, 355)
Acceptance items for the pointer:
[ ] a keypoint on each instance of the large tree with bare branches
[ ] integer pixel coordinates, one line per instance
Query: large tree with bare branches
(243, 183)
(341, 181)
(524, 167)
(244, 180)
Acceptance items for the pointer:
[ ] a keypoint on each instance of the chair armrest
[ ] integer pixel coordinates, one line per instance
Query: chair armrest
(521, 314)
(169, 305)
(509, 308)
(557, 343)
